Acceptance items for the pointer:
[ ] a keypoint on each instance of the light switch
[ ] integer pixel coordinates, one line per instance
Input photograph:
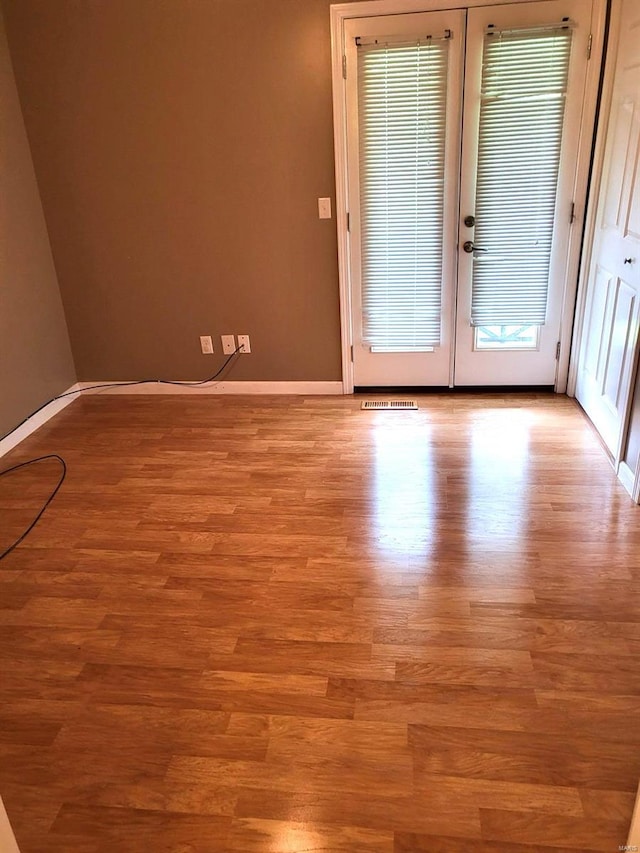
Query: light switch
(324, 208)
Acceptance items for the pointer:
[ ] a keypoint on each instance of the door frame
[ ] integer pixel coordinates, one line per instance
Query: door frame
(371, 8)
(600, 138)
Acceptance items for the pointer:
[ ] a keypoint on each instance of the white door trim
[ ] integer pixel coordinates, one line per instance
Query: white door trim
(594, 192)
(581, 190)
(342, 12)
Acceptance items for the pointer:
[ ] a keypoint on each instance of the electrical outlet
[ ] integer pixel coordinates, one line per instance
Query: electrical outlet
(228, 344)
(245, 343)
(206, 344)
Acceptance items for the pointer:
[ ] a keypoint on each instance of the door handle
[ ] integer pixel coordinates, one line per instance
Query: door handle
(629, 260)
(469, 248)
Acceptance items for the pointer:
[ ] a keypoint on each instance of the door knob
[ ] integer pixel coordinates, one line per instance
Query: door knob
(469, 248)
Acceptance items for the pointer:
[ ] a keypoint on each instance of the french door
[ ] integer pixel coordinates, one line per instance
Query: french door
(463, 131)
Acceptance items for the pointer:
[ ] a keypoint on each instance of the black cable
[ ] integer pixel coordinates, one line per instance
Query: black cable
(47, 502)
(124, 385)
(61, 460)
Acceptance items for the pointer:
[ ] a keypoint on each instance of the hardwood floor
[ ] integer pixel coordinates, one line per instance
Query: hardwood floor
(285, 624)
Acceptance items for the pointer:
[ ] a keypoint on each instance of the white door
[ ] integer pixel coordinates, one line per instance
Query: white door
(426, 309)
(612, 312)
(404, 84)
(525, 77)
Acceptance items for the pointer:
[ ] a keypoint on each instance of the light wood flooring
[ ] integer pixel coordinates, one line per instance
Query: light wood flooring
(287, 625)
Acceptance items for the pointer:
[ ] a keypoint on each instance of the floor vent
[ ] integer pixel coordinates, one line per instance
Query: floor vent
(389, 404)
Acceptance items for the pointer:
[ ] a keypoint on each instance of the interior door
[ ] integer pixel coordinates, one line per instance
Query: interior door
(419, 265)
(609, 338)
(524, 89)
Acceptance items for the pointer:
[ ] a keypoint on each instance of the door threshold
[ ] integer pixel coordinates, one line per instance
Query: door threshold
(461, 389)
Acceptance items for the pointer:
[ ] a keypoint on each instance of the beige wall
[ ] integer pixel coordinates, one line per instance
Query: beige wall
(180, 148)
(35, 358)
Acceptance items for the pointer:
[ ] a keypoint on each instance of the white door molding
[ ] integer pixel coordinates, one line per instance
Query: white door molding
(581, 190)
(606, 101)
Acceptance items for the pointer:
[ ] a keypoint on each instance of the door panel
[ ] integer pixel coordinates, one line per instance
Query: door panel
(616, 350)
(599, 319)
(520, 353)
(387, 238)
(609, 349)
(612, 312)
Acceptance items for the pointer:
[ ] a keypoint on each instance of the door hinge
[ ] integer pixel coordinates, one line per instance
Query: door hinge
(351, 348)
(557, 350)
(348, 221)
(344, 66)
(572, 214)
(589, 45)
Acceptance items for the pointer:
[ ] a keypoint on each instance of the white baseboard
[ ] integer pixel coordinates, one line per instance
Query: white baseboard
(8, 842)
(36, 421)
(305, 388)
(633, 842)
(627, 477)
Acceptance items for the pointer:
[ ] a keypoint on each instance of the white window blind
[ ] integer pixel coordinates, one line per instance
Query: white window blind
(402, 92)
(524, 82)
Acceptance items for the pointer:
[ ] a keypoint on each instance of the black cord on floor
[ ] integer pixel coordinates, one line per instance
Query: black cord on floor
(124, 385)
(47, 502)
(200, 382)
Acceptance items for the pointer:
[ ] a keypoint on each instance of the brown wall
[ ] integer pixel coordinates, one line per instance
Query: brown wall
(35, 357)
(180, 148)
